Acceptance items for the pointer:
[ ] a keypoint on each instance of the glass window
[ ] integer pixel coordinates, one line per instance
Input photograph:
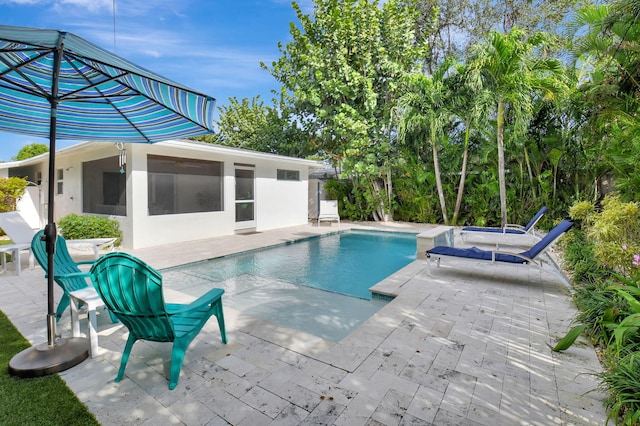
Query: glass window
(59, 181)
(104, 188)
(183, 185)
(288, 174)
(244, 212)
(244, 184)
(244, 195)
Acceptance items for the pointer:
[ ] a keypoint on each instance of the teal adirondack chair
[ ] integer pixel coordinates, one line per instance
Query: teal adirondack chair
(67, 273)
(132, 290)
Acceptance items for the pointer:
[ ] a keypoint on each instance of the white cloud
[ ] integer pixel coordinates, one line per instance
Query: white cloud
(93, 6)
(23, 2)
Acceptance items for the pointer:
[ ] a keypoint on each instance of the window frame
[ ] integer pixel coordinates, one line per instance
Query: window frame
(285, 175)
(180, 197)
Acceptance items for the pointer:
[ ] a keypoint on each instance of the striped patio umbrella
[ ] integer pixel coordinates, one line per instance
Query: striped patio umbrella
(56, 85)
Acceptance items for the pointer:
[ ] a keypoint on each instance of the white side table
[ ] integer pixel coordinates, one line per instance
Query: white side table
(89, 297)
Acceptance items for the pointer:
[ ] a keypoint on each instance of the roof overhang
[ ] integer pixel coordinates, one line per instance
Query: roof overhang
(183, 144)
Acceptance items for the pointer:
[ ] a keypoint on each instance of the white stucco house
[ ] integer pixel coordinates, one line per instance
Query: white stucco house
(171, 191)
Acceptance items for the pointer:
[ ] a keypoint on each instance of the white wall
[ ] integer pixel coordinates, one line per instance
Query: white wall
(70, 201)
(29, 206)
(151, 230)
(278, 203)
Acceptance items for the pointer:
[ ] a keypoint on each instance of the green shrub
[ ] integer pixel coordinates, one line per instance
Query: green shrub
(614, 233)
(579, 258)
(11, 189)
(581, 210)
(604, 258)
(622, 379)
(75, 227)
(599, 307)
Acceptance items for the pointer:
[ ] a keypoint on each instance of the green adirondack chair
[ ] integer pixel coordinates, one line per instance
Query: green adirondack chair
(67, 273)
(132, 290)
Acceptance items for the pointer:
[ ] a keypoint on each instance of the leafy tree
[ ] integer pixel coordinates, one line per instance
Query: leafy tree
(31, 150)
(470, 102)
(424, 114)
(11, 189)
(250, 124)
(514, 75)
(451, 27)
(439, 23)
(606, 42)
(340, 76)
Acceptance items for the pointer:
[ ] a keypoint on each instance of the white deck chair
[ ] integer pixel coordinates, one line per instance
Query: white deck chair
(328, 211)
(19, 231)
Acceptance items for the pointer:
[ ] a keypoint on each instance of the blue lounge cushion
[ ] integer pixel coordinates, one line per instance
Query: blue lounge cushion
(556, 232)
(476, 253)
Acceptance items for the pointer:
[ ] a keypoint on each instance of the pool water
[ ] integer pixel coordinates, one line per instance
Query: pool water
(318, 285)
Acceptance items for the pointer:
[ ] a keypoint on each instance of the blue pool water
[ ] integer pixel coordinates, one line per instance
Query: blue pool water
(348, 263)
(318, 285)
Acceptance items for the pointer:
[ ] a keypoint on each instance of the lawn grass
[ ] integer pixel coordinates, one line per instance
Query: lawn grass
(38, 401)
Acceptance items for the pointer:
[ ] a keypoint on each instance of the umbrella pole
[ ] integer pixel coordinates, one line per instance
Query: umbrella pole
(56, 354)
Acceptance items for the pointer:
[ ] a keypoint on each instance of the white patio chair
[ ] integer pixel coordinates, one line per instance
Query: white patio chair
(19, 231)
(329, 211)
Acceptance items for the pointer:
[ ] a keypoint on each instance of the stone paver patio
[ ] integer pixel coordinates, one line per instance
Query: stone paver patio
(468, 345)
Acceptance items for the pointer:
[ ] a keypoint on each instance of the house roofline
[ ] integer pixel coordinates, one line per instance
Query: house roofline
(184, 143)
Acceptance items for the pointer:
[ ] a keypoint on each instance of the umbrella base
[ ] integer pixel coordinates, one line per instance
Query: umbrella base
(43, 359)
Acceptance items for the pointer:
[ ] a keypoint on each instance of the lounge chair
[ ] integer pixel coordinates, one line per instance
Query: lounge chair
(526, 257)
(19, 231)
(509, 229)
(328, 211)
(74, 283)
(67, 272)
(15, 227)
(132, 290)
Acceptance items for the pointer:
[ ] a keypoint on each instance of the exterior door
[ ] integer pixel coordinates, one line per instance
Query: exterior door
(245, 197)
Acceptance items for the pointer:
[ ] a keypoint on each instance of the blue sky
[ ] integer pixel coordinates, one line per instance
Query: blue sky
(212, 46)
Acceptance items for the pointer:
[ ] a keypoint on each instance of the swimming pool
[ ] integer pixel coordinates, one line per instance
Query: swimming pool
(319, 285)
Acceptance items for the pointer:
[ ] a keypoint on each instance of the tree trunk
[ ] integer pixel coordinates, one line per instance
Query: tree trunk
(463, 176)
(530, 172)
(388, 217)
(379, 213)
(501, 173)
(436, 169)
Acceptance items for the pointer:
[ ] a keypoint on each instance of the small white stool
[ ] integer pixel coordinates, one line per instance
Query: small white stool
(89, 297)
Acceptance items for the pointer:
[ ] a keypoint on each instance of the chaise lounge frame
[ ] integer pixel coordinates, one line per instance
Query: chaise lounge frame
(527, 257)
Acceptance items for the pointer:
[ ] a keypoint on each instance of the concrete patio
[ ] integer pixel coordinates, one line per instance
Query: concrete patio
(468, 345)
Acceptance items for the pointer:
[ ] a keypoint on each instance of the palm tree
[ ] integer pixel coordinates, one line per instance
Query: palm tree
(470, 102)
(513, 73)
(423, 114)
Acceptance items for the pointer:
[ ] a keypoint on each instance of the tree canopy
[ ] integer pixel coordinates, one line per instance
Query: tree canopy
(423, 105)
(31, 150)
(340, 75)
